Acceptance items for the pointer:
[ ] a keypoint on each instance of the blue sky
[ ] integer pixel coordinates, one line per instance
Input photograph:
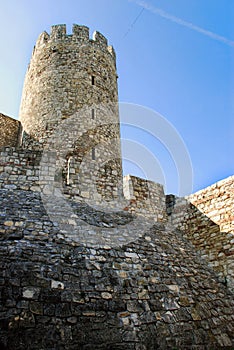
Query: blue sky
(173, 57)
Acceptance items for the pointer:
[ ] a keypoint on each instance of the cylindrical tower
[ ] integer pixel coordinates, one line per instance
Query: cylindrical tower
(73, 78)
(66, 73)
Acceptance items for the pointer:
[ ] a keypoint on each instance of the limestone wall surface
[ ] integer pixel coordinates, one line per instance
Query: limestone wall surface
(19, 169)
(216, 246)
(10, 131)
(217, 202)
(144, 197)
(38, 171)
(82, 266)
(67, 73)
(22, 169)
(151, 293)
(70, 105)
(119, 282)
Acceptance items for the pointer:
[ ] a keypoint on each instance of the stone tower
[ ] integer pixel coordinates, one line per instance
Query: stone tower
(71, 84)
(76, 277)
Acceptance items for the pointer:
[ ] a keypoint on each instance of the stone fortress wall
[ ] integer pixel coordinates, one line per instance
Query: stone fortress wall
(145, 198)
(153, 291)
(217, 202)
(206, 219)
(167, 280)
(20, 170)
(10, 131)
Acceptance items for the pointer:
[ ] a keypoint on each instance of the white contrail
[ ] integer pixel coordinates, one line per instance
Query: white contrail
(180, 21)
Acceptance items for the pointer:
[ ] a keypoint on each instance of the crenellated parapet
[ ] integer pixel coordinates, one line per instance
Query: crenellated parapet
(144, 197)
(80, 35)
(67, 72)
(89, 259)
(71, 86)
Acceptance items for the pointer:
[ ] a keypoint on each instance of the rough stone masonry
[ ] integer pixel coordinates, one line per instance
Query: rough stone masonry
(146, 271)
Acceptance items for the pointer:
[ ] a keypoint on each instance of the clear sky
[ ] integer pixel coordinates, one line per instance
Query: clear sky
(174, 57)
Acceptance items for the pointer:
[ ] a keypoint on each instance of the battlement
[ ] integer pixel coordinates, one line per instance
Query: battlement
(83, 247)
(80, 35)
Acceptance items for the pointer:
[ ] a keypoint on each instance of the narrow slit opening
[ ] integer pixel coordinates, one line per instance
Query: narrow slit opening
(93, 154)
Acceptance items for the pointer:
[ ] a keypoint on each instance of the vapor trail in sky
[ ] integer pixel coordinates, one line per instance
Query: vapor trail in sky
(134, 22)
(181, 22)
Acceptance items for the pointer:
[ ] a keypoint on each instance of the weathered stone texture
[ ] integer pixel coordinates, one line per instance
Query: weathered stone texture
(36, 171)
(82, 266)
(206, 218)
(153, 293)
(19, 169)
(10, 131)
(66, 74)
(69, 103)
(145, 197)
(216, 246)
(217, 202)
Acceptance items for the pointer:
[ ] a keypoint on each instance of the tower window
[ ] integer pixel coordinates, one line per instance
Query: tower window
(68, 171)
(93, 154)
(93, 113)
(93, 80)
